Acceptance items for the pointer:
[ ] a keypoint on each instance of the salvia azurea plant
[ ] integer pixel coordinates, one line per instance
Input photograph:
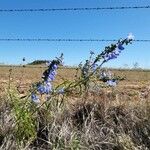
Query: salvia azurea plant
(45, 87)
(91, 68)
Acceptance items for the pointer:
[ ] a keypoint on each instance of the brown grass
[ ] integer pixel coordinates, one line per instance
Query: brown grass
(137, 82)
(103, 119)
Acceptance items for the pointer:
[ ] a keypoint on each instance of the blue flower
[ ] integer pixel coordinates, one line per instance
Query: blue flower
(94, 67)
(110, 56)
(54, 67)
(48, 76)
(103, 74)
(41, 89)
(48, 88)
(51, 77)
(120, 46)
(35, 98)
(53, 73)
(111, 83)
(44, 89)
(117, 52)
(130, 36)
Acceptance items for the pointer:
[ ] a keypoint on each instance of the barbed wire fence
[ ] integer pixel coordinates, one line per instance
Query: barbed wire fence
(74, 9)
(65, 40)
(70, 9)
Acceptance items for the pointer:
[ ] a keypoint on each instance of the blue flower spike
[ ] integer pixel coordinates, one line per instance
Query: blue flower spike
(48, 76)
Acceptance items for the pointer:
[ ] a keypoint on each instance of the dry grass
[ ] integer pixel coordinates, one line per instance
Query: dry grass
(93, 123)
(103, 119)
(137, 81)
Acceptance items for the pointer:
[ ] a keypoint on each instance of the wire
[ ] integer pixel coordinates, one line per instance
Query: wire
(63, 40)
(55, 40)
(74, 9)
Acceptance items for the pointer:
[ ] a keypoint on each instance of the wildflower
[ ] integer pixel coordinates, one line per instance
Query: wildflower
(51, 76)
(120, 47)
(111, 83)
(130, 37)
(35, 98)
(94, 66)
(110, 56)
(117, 52)
(103, 74)
(53, 72)
(48, 88)
(113, 54)
(54, 67)
(50, 73)
(106, 75)
(41, 89)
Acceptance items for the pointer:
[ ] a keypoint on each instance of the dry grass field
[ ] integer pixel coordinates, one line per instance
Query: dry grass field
(135, 80)
(33, 73)
(104, 119)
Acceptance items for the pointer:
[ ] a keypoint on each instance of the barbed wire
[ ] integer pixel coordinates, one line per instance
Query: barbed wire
(74, 9)
(65, 40)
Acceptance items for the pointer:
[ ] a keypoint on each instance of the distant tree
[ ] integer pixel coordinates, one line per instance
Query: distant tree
(38, 62)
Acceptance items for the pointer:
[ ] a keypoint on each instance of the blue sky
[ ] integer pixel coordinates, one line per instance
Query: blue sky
(105, 24)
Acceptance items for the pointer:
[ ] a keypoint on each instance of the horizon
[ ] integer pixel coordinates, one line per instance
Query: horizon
(43, 65)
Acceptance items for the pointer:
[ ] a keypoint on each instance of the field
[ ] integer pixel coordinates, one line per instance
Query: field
(104, 118)
(135, 80)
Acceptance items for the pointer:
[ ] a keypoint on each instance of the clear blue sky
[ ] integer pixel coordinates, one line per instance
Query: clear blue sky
(105, 24)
